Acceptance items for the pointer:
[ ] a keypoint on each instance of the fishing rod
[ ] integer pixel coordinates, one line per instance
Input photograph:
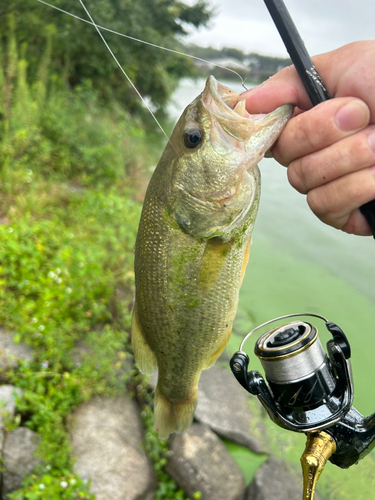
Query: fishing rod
(307, 72)
(308, 390)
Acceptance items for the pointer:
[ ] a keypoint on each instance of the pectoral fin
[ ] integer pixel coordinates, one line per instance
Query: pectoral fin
(245, 260)
(213, 260)
(144, 356)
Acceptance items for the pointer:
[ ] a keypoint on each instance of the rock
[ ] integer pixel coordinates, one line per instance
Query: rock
(18, 455)
(106, 438)
(225, 406)
(273, 481)
(8, 394)
(10, 352)
(199, 461)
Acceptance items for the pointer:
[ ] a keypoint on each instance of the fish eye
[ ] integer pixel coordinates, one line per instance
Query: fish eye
(193, 137)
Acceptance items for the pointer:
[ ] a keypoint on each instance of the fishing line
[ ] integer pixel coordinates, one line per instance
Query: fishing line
(125, 74)
(146, 43)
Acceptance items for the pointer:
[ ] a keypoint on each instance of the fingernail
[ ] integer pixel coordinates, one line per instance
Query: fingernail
(352, 116)
(371, 139)
(253, 90)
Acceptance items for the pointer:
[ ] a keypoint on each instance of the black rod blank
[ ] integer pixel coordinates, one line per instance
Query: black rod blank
(296, 48)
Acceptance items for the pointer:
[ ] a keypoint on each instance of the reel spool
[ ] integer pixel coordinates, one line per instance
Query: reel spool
(307, 390)
(296, 367)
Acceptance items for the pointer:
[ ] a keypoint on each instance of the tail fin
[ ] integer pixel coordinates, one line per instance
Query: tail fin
(173, 417)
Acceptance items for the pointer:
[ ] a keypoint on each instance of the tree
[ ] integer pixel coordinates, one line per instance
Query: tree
(78, 54)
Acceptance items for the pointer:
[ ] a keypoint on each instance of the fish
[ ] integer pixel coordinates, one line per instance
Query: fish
(193, 244)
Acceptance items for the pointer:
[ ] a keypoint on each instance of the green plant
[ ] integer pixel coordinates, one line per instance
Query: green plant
(49, 486)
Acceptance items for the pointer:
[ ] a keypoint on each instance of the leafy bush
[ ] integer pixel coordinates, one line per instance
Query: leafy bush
(47, 128)
(61, 271)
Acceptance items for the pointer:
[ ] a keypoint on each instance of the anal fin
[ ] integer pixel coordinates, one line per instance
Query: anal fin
(245, 260)
(144, 356)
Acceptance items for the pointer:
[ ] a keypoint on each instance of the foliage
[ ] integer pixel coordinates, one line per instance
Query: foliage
(79, 54)
(211, 53)
(48, 486)
(63, 133)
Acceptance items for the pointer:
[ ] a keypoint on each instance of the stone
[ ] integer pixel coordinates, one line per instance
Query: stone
(11, 352)
(200, 462)
(273, 481)
(106, 438)
(19, 458)
(225, 406)
(8, 394)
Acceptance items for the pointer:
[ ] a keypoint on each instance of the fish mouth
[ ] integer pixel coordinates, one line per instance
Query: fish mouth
(228, 108)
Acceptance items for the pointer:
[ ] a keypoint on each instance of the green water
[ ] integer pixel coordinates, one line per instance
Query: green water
(297, 264)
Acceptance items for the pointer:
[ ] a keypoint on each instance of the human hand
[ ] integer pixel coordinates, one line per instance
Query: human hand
(329, 149)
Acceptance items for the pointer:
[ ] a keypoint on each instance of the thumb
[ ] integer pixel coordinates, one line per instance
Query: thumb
(284, 87)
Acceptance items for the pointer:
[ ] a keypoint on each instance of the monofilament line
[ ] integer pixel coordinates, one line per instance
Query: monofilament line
(144, 41)
(124, 73)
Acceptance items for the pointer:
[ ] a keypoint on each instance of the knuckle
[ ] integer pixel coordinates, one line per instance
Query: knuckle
(297, 177)
(317, 202)
(321, 205)
(306, 134)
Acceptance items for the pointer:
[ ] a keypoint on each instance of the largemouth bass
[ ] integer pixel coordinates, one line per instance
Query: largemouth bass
(193, 244)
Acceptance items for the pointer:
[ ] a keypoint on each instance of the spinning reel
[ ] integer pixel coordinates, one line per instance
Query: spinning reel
(309, 391)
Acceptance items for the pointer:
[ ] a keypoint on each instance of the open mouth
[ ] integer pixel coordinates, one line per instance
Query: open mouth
(235, 103)
(230, 111)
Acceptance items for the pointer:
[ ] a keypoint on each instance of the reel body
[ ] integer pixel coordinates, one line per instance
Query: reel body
(307, 390)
